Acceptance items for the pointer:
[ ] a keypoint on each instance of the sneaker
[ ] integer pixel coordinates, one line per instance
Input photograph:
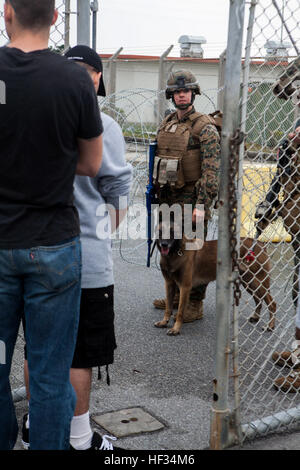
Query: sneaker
(98, 442)
(25, 433)
(102, 443)
(289, 384)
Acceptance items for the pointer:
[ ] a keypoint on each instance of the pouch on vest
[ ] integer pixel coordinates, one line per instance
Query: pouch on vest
(172, 171)
(168, 170)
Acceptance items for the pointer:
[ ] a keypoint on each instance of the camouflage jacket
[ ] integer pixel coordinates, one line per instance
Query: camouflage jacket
(207, 186)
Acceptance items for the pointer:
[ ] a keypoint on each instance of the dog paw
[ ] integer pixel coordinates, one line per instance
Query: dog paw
(253, 319)
(173, 332)
(161, 324)
(269, 328)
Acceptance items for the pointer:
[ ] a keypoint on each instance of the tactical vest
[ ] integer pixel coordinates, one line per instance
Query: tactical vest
(177, 161)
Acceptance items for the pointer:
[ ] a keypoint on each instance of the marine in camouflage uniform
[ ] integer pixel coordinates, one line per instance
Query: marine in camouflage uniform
(187, 164)
(287, 179)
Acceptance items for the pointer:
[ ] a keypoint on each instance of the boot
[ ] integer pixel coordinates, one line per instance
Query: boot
(161, 303)
(282, 359)
(193, 311)
(288, 358)
(289, 384)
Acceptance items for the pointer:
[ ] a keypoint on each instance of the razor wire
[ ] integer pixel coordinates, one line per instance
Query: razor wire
(259, 405)
(135, 111)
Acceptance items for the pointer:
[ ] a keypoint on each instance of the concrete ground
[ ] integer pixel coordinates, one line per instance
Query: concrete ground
(168, 377)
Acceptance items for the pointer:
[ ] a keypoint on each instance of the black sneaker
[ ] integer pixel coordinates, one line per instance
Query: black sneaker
(25, 433)
(102, 443)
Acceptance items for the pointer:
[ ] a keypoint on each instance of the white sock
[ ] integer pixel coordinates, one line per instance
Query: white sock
(81, 432)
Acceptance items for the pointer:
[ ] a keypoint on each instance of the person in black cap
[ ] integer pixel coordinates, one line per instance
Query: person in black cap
(108, 190)
(89, 59)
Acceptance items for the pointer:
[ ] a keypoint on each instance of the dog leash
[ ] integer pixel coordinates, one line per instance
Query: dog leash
(152, 249)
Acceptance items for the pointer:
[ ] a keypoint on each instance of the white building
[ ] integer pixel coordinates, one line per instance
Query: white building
(136, 72)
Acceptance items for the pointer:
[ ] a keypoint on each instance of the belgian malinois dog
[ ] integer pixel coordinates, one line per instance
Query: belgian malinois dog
(189, 268)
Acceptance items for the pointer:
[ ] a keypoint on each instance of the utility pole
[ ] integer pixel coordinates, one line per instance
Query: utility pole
(94, 9)
(83, 22)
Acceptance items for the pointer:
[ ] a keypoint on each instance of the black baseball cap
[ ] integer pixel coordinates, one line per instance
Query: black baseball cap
(90, 57)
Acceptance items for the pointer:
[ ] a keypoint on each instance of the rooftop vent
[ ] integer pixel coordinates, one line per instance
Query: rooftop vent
(190, 46)
(277, 49)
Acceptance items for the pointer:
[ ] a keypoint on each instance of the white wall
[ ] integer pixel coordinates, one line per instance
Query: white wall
(134, 74)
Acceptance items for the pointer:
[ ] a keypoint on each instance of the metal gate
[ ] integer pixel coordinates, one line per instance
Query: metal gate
(248, 399)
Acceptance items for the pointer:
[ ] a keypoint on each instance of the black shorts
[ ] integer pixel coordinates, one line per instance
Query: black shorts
(96, 340)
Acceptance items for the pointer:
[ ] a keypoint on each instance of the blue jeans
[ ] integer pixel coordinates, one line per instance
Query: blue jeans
(45, 281)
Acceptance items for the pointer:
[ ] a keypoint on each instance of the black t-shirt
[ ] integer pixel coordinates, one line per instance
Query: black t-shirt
(50, 102)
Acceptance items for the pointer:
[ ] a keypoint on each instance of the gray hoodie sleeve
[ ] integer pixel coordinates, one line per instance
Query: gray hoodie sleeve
(115, 174)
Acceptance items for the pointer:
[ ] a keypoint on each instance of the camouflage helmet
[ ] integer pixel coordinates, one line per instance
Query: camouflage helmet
(182, 79)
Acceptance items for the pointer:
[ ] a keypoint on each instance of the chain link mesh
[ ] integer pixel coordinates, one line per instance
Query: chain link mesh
(268, 121)
(131, 109)
(59, 37)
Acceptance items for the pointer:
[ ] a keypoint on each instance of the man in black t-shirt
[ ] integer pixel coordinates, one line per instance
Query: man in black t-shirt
(50, 129)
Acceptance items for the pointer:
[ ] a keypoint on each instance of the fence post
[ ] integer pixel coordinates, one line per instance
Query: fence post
(243, 113)
(110, 82)
(67, 24)
(94, 8)
(161, 85)
(112, 72)
(83, 22)
(221, 72)
(221, 434)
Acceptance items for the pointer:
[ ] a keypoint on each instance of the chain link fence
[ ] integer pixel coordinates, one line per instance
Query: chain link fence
(256, 406)
(260, 398)
(60, 32)
(130, 108)
(136, 112)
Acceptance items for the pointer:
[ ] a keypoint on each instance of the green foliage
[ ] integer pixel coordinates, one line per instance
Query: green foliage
(268, 118)
(57, 49)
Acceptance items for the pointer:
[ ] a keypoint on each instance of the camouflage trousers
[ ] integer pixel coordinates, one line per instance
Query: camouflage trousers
(182, 197)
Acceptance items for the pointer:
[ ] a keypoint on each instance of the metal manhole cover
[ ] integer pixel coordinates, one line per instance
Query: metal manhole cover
(129, 421)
